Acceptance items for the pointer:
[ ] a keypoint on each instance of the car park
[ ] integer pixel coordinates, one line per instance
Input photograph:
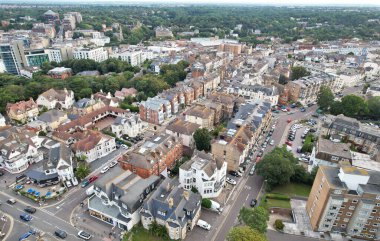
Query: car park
(85, 183)
(60, 234)
(84, 235)
(299, 149)
(26, 217)
(312, 130)
(105, 169)
(112, 164)
(75, 181)
(30, 209)
(230, 181)
(92, 179)
(68, 183)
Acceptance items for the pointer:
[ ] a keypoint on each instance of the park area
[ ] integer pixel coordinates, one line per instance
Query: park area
(280, 196)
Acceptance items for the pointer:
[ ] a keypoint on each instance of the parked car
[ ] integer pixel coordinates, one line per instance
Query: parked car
(233, 173)
(60, 234)
(92, 179)
(230, 181)
(253, 202)
(112, 164)
(252, 171)
(75, 181)
(271, 142)
(312, 130)
(124, 146)
(85, 183)
(84, 235)
(105, 169)
(203, 224)
(299, 149)
(302, 109)
(27, 235)
(30, 209)
(289, 143)
(26, 217)
(11, 201)
(68, 183)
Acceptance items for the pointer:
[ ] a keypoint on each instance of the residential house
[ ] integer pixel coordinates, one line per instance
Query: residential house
(107, 99)
(155, 110)
(53, 119)
(184, 130)
(94, 145)
(205, 173)
(154, 157)
(200, 115)
(85, 106)
(130, 125)
(173, 207)
(119, 196)
(254, 92)
(60, 73)
(22, 111)
(19, 149)
(56, 99)
(125, 92)
(60, 161)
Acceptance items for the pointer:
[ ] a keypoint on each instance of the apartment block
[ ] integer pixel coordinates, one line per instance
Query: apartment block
(345, 200)
(96, 54)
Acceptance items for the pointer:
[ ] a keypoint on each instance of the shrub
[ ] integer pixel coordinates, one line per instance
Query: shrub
(277, 196)
(278, 224)
(206, 203)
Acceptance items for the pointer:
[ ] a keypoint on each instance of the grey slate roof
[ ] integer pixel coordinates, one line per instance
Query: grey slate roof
(51, 116)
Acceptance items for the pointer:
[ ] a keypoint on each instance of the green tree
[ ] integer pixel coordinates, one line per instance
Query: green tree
(282, 79)
(278, 224)
(353, 105)
(277, 167)
(336, 108)
(82, 170)
(325, 97)
(374, 107)
(299, 72)
(245, 233)
(206, 203)
(202, 139)
(255, 218)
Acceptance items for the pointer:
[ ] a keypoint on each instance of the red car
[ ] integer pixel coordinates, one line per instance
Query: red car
(289, 120)
(289, 143)
(92, 179)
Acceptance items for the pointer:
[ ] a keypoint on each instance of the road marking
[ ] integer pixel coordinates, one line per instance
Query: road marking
(10, 226)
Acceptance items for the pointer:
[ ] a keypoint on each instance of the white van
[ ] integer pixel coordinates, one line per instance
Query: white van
(90, 191)
(203, 224)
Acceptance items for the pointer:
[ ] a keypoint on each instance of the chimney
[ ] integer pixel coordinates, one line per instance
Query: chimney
(168, 187)
(186, 195)
(171, 203)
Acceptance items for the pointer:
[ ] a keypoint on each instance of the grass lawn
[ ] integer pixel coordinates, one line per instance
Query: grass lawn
(277, 203)
(293, 189)
(139, 233)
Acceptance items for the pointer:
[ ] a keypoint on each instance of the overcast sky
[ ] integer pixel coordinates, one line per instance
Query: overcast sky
(264, 2)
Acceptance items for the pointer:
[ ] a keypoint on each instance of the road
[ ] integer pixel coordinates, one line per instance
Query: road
(42, 220)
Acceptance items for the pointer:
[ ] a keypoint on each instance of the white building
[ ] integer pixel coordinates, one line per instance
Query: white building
(2, 120)
(18, 149)
(205, 173)
(119, 196)
(59, 54)
(255, 92)
(60, 99)
(130, 125)
(97, 54)
(133, 57)
(94, 145)
(60, 161)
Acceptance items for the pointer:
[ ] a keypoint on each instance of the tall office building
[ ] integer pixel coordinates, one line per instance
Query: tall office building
(13, 56)
(346, 200)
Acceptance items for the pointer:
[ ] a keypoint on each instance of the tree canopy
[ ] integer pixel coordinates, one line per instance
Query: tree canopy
(298, 72)
(325, 97)
(244, 233)
(202, 139)
(256, 218)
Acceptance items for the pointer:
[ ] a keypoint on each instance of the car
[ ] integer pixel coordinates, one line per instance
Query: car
(233, 173)
(27, 235)
(299, 149)
(75, 181)
(203, 224)
(253, 202)
(310, 104)
(312, 130)
(252, 171)
(230, 181)
(105, 169)
(68, 183)
(303, 136)
(289, 143)
(60, 234)
(92, 179)
(302, 109)
(271, 142)
(30, 209)
(290, 113)
(124, 146)
(112, 164)
(26, 217)
(11, 201)
(284, 110)
(85, 183)
(84, 235)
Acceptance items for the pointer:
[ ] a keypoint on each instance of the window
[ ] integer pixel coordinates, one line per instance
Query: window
(355, 201)
(349, 214)
(370, 217)
(352, 208)
(378, 197)
(161, 213)
(377, 204)
(343, 206)
(338, 192)
(374, 211)
(346, 220)
(343, 225)
(373, 230)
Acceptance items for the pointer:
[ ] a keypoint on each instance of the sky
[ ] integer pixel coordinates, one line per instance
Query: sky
(262, 2)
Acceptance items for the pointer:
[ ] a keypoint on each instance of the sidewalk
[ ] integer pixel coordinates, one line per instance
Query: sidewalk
(6, 226)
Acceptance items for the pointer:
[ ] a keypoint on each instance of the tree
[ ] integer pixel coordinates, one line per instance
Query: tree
(82, 170)
(374, 107)
(325, 97)
(277, 167)
(255, 218)
(353, 105)
(194, 190)
(202, 139)
(336, 108)
(206, 203)
(278, 224)
(282, 79)
(244, 233)
(299, 72)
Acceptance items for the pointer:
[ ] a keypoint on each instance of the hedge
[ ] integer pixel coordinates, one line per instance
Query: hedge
(277, 196)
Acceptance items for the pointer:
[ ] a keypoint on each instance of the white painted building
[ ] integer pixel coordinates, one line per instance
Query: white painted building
(97, 54)
(60, 99)
(133, 57)
(131, 125)
(205, 173)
